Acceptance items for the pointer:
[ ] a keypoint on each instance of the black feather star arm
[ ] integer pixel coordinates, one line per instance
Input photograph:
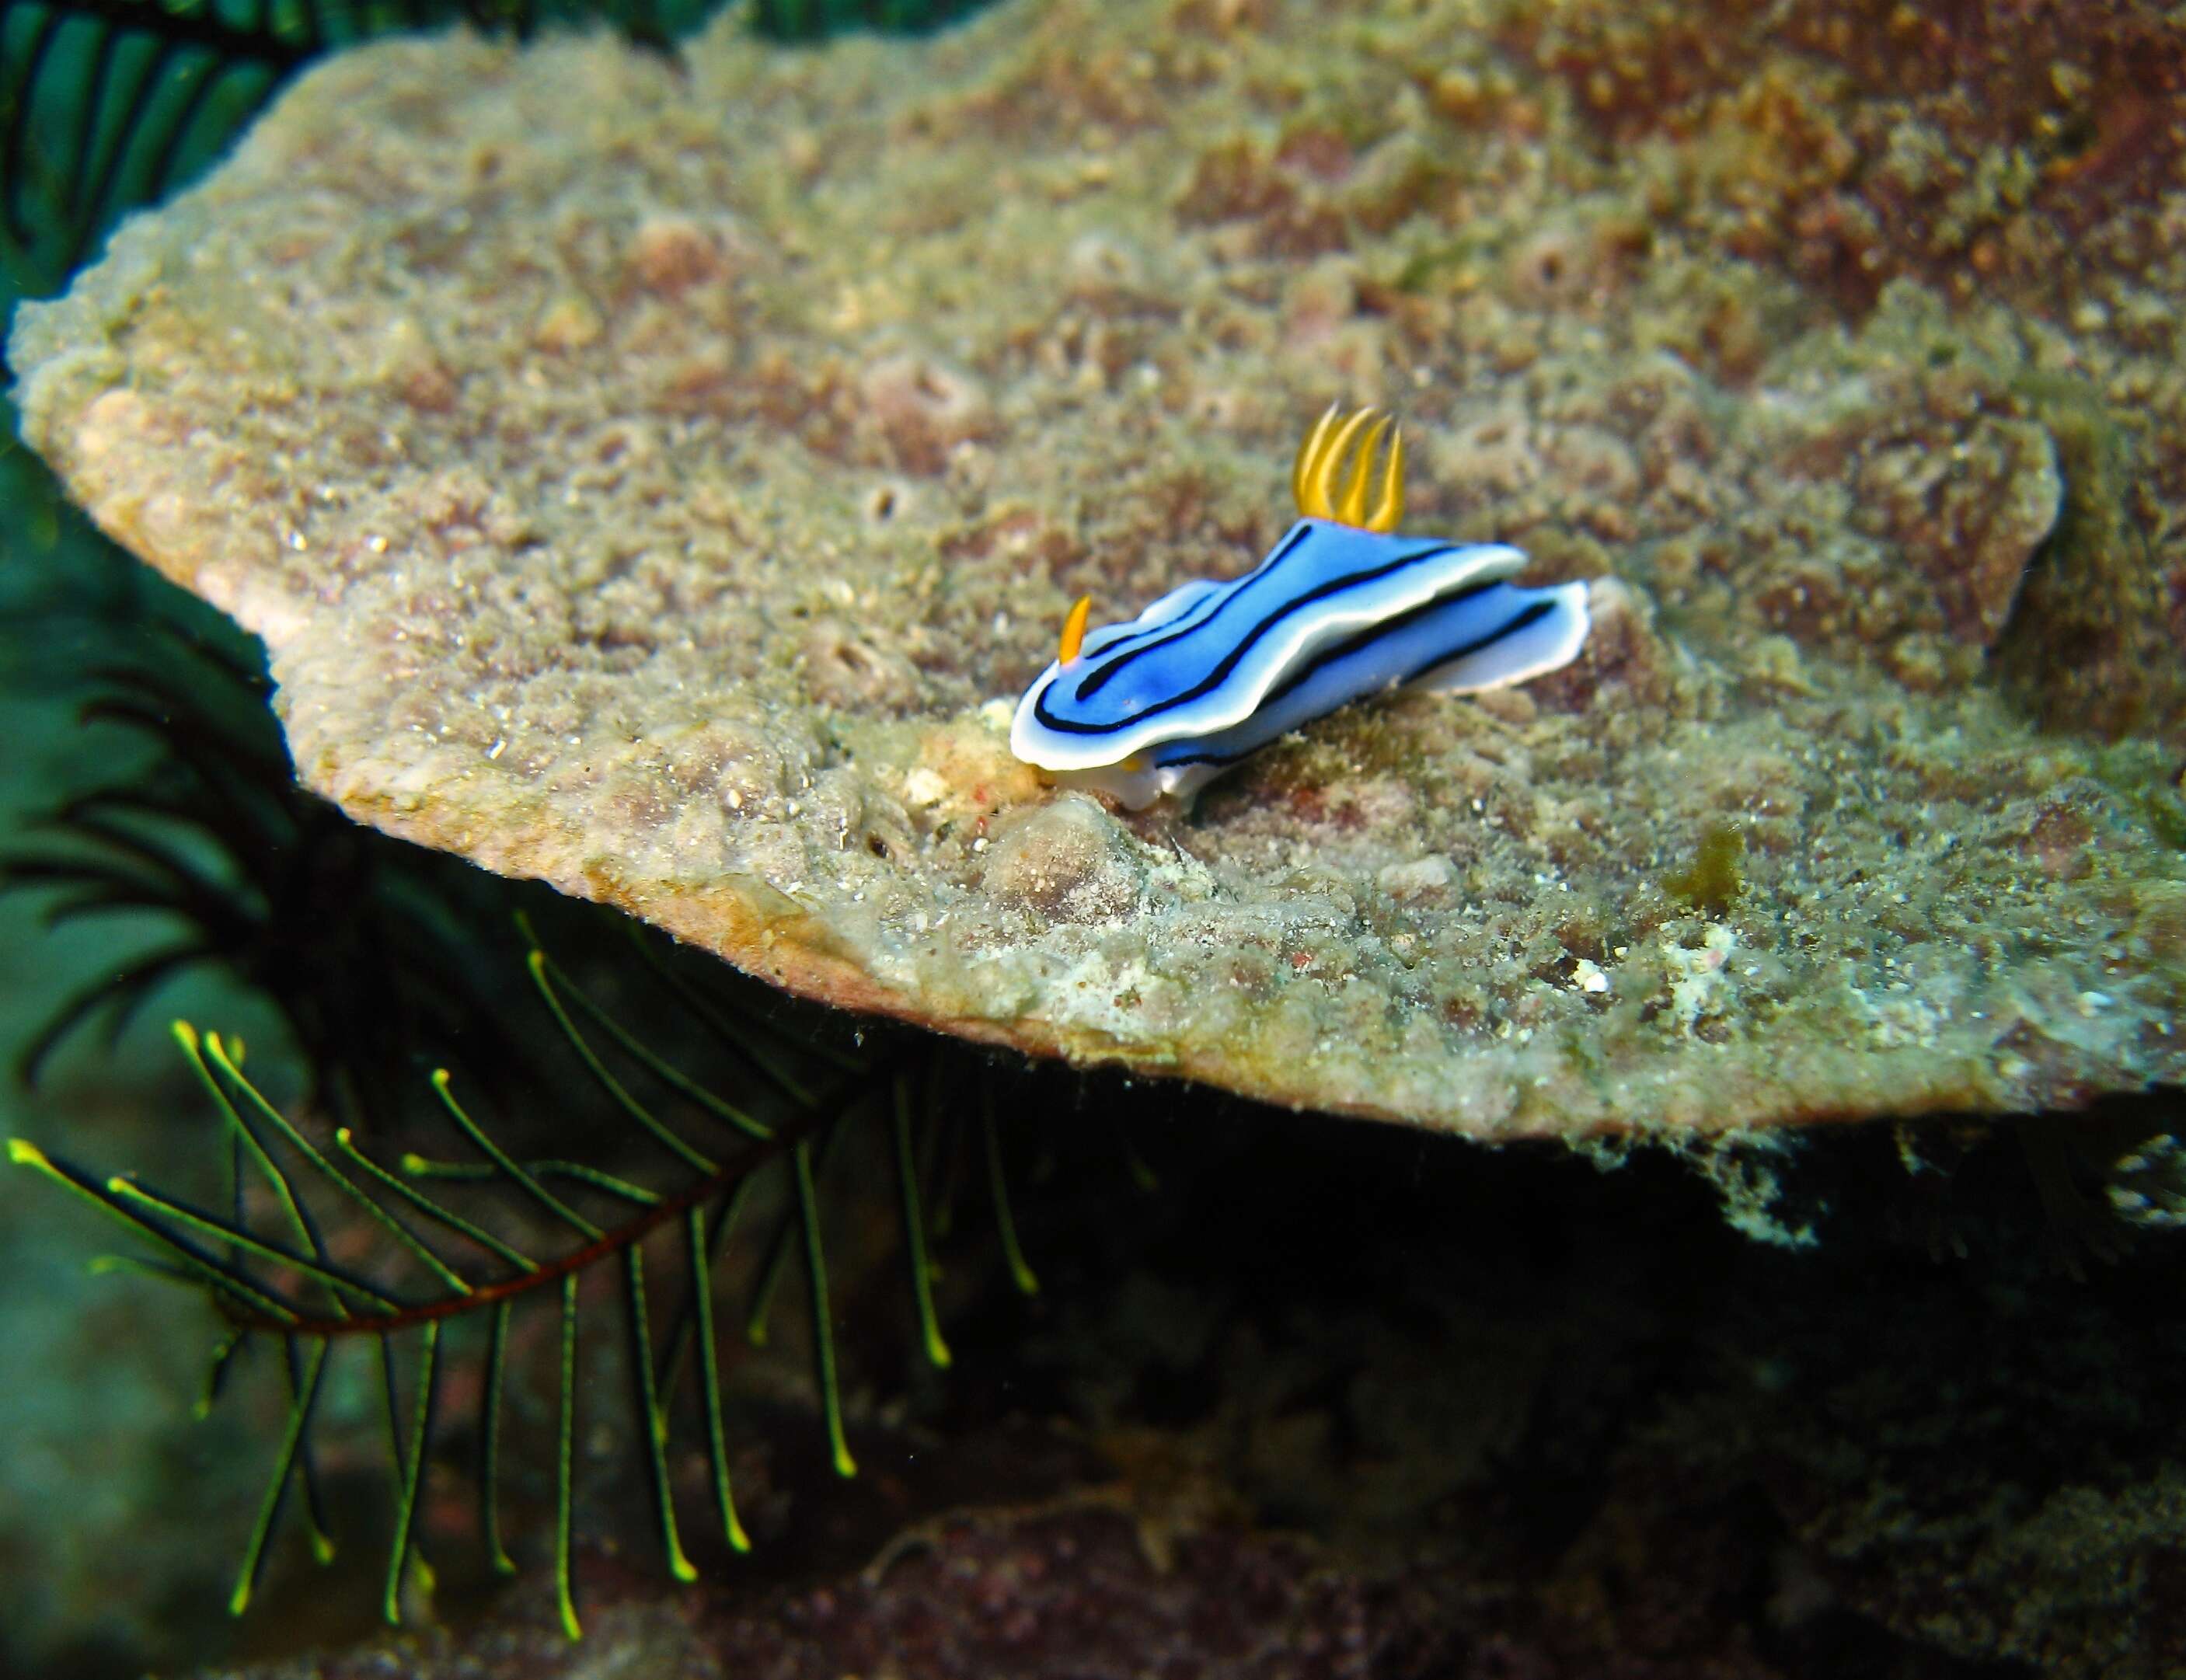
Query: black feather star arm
(799, 20)
(365, 945)
(481, 1239)
(107, 105)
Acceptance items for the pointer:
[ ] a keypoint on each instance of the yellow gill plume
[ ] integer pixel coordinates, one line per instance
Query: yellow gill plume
(1320, 460)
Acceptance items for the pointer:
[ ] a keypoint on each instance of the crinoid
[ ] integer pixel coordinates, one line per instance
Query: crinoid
(813, 19)
(367, 947)
(460, 1248)
(107, 105)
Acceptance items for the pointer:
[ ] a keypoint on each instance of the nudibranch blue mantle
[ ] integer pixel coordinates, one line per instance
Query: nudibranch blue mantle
(1342, 607)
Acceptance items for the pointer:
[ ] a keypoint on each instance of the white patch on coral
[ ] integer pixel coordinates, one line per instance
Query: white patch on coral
(1409, 880)
(1125, 1000)
(1899, 1018)
(923, 788)
(1695, 975)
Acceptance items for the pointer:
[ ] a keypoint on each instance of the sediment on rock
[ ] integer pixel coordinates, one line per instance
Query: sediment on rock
(660, 504)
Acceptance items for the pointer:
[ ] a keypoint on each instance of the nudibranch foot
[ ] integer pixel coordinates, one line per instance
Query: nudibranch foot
(1342, 607)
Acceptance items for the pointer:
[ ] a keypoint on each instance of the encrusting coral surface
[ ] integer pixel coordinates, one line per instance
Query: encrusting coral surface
(662, 481)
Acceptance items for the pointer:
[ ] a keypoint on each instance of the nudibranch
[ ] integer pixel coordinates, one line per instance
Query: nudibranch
(1342, 607)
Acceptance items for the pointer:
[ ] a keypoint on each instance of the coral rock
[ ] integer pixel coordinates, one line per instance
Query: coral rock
(671, 505)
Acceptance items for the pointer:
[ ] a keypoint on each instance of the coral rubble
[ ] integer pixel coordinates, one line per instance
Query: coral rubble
(649, 480)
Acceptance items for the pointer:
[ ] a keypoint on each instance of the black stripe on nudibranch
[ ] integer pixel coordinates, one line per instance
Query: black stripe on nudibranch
(1517, 622)
(1093, 681)
(1124, 649)
(1371, 633)
(1531, 614)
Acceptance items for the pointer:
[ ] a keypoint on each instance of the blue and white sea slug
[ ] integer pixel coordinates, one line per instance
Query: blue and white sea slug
(1341, 607)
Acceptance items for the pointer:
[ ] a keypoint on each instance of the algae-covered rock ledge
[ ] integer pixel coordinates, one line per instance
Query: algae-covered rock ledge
(651, 480)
